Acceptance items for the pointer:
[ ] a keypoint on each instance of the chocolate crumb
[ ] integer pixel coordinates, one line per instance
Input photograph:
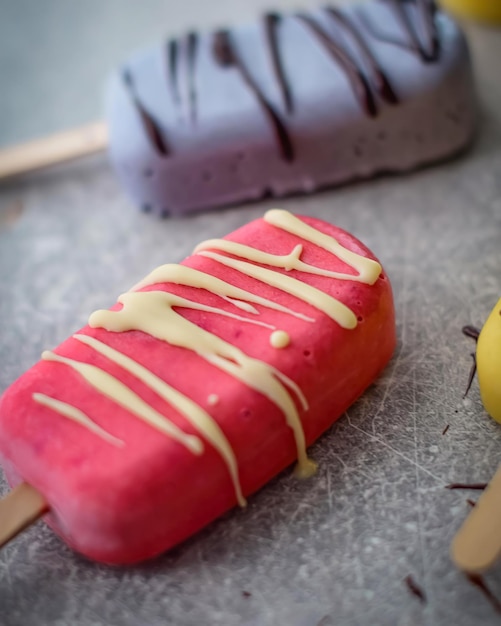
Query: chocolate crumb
(471, 331)
(479, 582)
(414, 588)
(445, 429)
(246, 594)
(479, 486)
(471, 375)
(471, 502)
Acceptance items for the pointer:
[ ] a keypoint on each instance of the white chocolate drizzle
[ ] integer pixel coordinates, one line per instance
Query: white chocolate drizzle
(280, 339)
(112, 388)
(245, 306)
(190, 277)
(200, 419)
(76, 415)
(335, 309)
(368, 269)
(156, 313)
(213, 399)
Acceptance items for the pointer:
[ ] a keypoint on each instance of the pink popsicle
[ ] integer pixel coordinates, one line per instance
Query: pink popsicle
(199, 385)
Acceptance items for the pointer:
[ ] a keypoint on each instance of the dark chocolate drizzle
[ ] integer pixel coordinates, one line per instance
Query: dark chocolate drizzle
(428, 12)
(172, 53)
(183, 52)
(226, 56)
(380, 79)
(359, 83)
(271, 23)
(151, 128)
(191, 45)
(429, 53)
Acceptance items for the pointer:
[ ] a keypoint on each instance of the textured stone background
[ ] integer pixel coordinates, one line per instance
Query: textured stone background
(331, 551)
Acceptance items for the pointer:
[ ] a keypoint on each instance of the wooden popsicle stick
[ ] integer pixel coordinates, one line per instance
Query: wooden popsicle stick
(51, 150)
(18, 510)
(477, 544)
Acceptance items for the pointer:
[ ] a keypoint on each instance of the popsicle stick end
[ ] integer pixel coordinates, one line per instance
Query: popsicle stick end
(477, 545)
(19, 509)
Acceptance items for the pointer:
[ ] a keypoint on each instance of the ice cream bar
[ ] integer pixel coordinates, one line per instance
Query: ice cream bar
(203, 382)
(488, 361)
(290, 103)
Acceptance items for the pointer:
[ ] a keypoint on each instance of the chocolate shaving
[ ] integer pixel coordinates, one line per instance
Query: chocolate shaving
(445, 429)
(471, 376)
(470, 331)
(414, 588)
(473, 333)
(471, 502)
(479, 582)
(246, 594)
(479, 486)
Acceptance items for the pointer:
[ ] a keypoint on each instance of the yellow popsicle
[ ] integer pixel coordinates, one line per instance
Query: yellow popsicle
(482, 10)
(489, 363)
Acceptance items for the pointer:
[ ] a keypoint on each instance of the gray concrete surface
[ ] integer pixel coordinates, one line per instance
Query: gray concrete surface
(331, 551)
